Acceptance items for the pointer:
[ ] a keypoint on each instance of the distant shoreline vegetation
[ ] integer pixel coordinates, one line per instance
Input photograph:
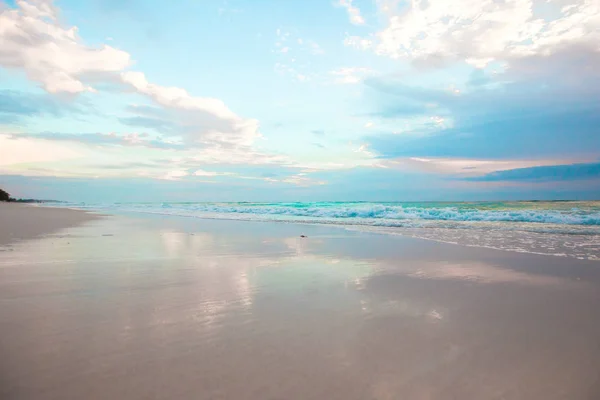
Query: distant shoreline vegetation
(5, 197)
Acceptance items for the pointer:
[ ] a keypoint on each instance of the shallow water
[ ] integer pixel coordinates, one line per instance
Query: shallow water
(560, 228)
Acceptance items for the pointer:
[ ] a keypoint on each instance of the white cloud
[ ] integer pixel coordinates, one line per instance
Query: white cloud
(364, 149)
(134, 138)
(470, 167)
(32, 39)
(201, 120)
(358, 42)
(350, 75)
(14, 151)
(174, 175)
(353, 12)
(233, 155)
(481, 31)
(174, 97)
(299, 180)
(204, 173)
(437, 120)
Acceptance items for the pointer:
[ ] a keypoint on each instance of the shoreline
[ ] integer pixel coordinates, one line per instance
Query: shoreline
(25, 221)
(505, 240)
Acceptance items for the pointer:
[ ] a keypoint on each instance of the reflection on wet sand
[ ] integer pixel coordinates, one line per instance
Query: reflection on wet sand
(168, 308)
(481, 273)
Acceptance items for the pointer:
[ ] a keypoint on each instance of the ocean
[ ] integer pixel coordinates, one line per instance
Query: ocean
(559, 228)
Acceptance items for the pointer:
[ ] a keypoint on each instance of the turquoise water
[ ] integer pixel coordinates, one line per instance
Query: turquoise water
(564, 228)
(386, 214)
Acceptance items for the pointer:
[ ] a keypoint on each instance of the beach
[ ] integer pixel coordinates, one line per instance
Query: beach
(19, 221)
(148, 306)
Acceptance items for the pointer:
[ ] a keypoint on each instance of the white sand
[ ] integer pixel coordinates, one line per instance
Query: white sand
(176, 308)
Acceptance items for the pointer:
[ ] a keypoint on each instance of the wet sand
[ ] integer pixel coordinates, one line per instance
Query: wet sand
(25, 221)
(149, 307)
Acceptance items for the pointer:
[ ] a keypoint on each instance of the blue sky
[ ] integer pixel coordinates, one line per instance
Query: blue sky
(300, 100)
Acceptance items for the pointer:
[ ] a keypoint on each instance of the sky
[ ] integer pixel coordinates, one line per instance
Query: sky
(312, 100)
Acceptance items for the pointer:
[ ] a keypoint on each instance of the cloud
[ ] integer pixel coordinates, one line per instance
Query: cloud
(55, 154)
(212, 155)
(353, 12)
(569, 172)
(174, 175)
(298, 180)
(223, 125)
(272, 174)
(146, 189)
(283, 176)
(132, 164)
(204, 173)
(468, 167)
(364, 149)
(358, 42)
(350, 75)
(318, 132)
(541, 107)
(18, 151)
(102, 139)
(479, 32)
(32, 39)
(157, 118)
(571, 133)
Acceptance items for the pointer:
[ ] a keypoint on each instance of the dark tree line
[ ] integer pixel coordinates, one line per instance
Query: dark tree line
(4, 196)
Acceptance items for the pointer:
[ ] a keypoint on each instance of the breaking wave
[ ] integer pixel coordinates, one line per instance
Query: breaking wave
(379, 213)
(570, 229)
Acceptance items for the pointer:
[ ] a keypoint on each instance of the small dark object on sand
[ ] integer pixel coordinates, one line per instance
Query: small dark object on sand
(302, 236)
